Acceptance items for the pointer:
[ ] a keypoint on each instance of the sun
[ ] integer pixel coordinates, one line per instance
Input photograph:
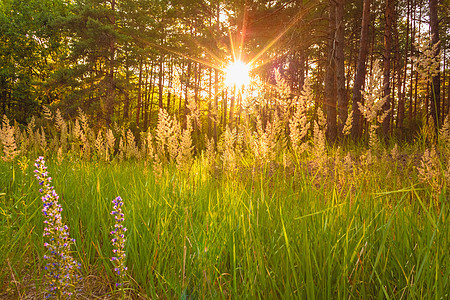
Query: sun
(237, 74)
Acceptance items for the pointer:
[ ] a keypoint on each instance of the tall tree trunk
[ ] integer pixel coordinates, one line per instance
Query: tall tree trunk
(126, 104)
(340, 67)
(413, 33)
(110, 89)
(436, 83)
(139, 95)
(360, 70)
(216, 102)
(216, 78)
(169, 90)
(387, 65)
(160, 81)
(149, 101)
(401, 99)
(330, 85)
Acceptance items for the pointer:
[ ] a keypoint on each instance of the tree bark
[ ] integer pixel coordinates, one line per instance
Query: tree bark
(160, 81)
(436, 81)
(110, 93)
(387, 66)
(330, 84)
(139, 95)
(360, 70)
(340, 67)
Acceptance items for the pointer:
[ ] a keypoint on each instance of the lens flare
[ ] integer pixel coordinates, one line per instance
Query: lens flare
(237, 74)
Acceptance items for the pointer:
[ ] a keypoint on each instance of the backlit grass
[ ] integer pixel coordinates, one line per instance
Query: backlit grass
(267, 233)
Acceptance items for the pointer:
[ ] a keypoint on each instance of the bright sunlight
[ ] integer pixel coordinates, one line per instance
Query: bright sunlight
(237, 74)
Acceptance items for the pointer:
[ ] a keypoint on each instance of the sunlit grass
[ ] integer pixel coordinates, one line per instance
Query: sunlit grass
(269, 236)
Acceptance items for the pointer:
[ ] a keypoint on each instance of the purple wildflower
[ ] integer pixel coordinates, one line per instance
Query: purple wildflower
(61, 268)
(118, 240)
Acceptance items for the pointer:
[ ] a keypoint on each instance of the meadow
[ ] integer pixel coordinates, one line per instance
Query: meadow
(232, 221)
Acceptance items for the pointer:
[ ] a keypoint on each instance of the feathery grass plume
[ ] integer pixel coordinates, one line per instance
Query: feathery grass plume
(110, 142)
(26, 142)
(62, 270)
(427, 63)
(48, 115)
(82, 117)
(8, 141)
(374, 141)
(131, 148)
(163, 132)
(30, 142)
(444, 132)
(184, 157)
(176, 87)
(173, 139)
(348, 125)
(430, 171)
(395, 153)
(59, 156)
(100, 145)
(85, 134)
(158, 168)
(61, 125)
(210, 153)
(21, 139)
(277, 135)
(77, 132)
(194, 111)
(281, 85)
(31, 125)
(118, 242)
(373, 103)
(122, 148)
(285, 101)
(42, 140)
(343, 166)
(263, 142)
(298, 124)
(147, 150)
(373, 94)
(228, 151)
(366, 161)
(18, 136)
(447, 174)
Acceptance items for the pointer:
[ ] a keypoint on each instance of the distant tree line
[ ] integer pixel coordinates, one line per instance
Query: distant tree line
(122, 60)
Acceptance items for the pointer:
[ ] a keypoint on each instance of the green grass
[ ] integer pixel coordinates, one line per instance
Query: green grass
(274, 235)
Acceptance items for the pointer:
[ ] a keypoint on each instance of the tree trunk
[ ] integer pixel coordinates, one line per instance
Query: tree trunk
(160, 81)
(360, 70)
(139, 95)
(340, 67)
(387, 66)
(169, 91)
(110, 93)
(330, 84)
(436, 83)
(401, 98)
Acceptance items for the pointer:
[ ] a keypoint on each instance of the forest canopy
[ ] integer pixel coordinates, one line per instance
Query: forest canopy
(121, 61)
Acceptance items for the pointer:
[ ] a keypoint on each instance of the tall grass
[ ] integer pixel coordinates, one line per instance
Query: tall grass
(263, 233)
